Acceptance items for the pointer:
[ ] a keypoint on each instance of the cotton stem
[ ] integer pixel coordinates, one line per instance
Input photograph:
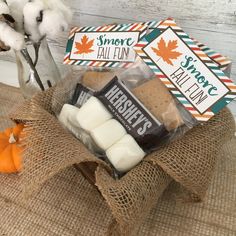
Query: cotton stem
(12, 139)
(27, 57)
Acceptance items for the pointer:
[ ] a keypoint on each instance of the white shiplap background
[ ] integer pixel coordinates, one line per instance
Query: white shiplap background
(212, 22)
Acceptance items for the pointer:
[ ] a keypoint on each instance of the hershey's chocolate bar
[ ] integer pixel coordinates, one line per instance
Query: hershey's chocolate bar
(130, 112)
(81, 95)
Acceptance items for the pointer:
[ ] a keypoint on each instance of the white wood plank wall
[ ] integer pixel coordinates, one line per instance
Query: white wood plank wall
(210, 21)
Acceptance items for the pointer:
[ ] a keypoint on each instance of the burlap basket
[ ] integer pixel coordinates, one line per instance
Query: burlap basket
(49, 148)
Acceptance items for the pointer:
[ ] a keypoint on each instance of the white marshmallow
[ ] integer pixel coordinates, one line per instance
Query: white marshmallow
(108, 133)
(67, 111)
(67, 117)
(125, 154)
(92, 114)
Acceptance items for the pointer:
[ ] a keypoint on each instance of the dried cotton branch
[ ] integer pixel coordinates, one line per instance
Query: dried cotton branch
(35, 19)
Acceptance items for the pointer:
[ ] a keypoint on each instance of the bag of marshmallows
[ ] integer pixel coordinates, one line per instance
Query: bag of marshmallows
(122, 115)
(171, 83)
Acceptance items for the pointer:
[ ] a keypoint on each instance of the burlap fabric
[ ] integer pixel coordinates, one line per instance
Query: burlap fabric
(50, 149)
(10, 98)
(68, 206)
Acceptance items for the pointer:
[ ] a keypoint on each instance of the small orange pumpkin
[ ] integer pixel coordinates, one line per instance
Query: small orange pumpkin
(10, 151)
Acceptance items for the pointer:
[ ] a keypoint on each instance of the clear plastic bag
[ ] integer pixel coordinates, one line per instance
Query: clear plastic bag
(101, 127)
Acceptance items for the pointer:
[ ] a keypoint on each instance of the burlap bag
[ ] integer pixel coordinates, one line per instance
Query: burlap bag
(49, 149)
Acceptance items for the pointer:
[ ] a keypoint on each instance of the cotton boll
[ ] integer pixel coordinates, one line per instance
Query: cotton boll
(53, 23)
(27, 15)
(33, 15)
(65, 10)
(10, 37)
(4, 8)
(58, 6)
(16, 10)
(6, 18)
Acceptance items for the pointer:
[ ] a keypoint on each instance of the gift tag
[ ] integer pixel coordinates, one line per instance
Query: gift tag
(186, 70)
(104, 46)
(223, 62)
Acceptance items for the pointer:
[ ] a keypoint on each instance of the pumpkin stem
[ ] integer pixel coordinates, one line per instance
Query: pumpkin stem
(12, 138)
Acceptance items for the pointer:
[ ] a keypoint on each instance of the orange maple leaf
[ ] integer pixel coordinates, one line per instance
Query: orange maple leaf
(84, 46)
(166, 51)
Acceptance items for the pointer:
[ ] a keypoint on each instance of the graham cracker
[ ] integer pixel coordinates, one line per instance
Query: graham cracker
(157, 99)
(96, 80)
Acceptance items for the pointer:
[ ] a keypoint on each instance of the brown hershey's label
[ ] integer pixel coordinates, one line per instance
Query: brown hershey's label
(81, 95)
(130, 112)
